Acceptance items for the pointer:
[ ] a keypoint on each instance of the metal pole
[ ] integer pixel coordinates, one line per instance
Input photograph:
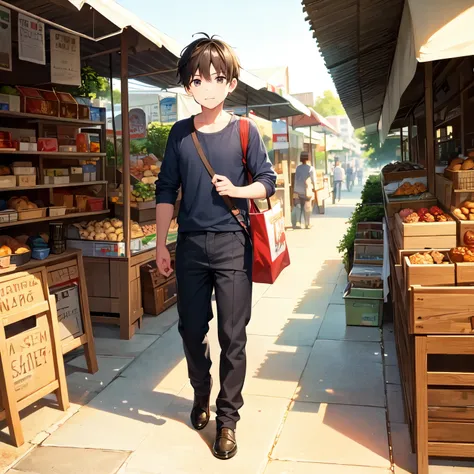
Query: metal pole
(125, 141)
(311, 148)
(430, 135)
(410, 139)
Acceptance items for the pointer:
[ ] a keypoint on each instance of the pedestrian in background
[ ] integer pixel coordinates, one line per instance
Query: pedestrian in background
(338, 178)
(305, 185)
(349, 176)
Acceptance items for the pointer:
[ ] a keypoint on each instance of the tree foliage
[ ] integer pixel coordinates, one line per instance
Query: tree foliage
(376, 154)
(329, 104)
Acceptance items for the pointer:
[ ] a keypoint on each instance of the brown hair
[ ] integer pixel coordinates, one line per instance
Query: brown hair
(203, 52)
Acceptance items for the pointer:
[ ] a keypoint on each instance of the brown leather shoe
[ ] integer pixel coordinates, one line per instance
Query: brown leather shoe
(225, 446)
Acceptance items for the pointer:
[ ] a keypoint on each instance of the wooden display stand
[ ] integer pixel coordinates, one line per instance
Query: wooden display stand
(30, 350)
(63, 271)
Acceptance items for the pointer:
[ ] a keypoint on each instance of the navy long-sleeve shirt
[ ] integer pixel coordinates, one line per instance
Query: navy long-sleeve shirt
(201, 208)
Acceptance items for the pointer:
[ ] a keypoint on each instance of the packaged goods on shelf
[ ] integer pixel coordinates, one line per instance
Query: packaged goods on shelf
(12, 102)
(25, 181)
(48, 144)
(38, 102)
(7, 181)
(24, 170)
(68, 107)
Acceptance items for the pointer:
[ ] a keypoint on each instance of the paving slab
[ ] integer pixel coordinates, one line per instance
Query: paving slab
(158, 325)
(329, 272)
(343, 372)
(162, 366)
(334, 327)
(315, 300)
(334, 434)
(50, 460)
(121, 348)
(392, 375)
(10, 454)
(273, 370)
(293, 467)
(390, 354)
(119, 418)
(83, 386)
(395, 406)
(270, 315)
(338, 295)
(388, 332)
(174, 447)
(300, 331)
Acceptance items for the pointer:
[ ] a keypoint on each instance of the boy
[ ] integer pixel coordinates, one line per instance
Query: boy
(305, 184)
(213, 252)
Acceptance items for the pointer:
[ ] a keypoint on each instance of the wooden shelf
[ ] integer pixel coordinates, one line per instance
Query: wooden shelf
(52, 186)
(46, 118)
(55, 154)
(55, 218)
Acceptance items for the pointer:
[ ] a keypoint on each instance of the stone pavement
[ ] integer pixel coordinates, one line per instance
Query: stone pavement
(315, 397)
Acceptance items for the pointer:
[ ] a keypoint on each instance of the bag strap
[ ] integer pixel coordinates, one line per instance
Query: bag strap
(244, 126)
(235, 211)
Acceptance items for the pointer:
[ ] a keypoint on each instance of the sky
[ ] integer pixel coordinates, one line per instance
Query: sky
(264, 33)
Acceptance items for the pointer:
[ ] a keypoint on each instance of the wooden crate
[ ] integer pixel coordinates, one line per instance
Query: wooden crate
(425, 234)
(369, 233)
(429, 275)
(442, 310)
(462, 228)
(463, 180)
(158, 292)
(394, 207)
(368, 254)
(464, 274)
(401, 175)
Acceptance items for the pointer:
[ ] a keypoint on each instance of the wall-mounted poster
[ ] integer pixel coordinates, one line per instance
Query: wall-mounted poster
(65, 58)
(31, 40)
(137, 123)
(5, 39)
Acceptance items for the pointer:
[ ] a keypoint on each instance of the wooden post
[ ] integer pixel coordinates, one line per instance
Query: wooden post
(125, 141)
(430, 136)
(464, 99)
(421, 394)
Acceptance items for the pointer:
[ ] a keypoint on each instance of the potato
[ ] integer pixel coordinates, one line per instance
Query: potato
(109, 230)
(90, 229)
(112, 237)
(84, 234)
(117, 223)
(120, 238)
(147, 174)
(101, 236)
(119, 231)
(107, 225)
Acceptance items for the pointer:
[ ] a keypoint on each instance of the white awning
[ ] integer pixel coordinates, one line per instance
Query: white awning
(430, 30)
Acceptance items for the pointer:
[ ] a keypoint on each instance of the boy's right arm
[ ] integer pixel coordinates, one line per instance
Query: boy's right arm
(167, 188)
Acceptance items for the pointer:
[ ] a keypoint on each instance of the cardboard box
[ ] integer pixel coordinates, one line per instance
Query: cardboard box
(66, 200)
(69, 312)
(24, 170)
(61, 180)
(7, 181)
(26, 180)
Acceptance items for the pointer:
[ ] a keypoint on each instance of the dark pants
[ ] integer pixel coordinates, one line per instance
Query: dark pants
(336, 190)
(222, 261)
(302, 206)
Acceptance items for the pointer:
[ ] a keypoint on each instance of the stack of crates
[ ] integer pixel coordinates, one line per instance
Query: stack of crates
(364, 294)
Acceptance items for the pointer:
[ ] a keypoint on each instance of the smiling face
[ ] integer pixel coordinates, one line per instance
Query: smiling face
(211, 93)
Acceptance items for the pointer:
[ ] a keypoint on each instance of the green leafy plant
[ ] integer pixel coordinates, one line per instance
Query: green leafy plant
(369, 210)
(157, 138)
(372, 192)
(91, 83)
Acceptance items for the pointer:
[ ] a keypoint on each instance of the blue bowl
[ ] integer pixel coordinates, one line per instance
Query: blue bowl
(40, 254)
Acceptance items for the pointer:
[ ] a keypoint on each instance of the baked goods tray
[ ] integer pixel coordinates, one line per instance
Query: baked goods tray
(410, 197)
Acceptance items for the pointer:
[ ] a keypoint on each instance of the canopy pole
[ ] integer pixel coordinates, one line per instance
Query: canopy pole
(410, 138)
(125, 140)
(325, 153)
(401, 144)
(114, 128)
(430, 135)
(311, 147)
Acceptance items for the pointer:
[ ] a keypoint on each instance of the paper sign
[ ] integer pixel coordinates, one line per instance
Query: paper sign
(5, 39)
(65, 58)
(275, 224)
(31, 40)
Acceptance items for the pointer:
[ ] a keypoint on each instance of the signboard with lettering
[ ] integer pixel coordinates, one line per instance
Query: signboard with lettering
(69, 312)
(137, 121)
(31, 40)
(65, 58)
(30, 348)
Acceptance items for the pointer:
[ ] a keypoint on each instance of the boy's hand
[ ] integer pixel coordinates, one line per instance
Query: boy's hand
(224, 186)
(163, 261)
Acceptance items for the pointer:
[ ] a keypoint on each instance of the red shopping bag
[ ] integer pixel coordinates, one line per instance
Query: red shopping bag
(267, 228)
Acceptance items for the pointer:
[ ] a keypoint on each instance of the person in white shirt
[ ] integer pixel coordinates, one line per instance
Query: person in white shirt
(305, 184)
(339, 176)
